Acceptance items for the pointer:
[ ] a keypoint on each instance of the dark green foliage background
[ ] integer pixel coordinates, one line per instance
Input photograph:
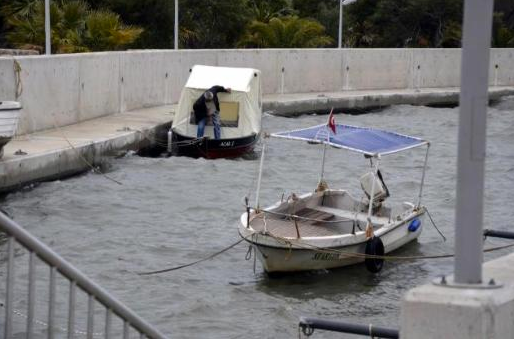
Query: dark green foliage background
(367, 23)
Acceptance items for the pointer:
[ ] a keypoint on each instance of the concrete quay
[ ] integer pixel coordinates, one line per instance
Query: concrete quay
(63, 151)
(361, 100)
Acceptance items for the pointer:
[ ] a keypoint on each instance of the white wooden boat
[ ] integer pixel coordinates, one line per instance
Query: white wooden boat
(9, 115)
(329, 228)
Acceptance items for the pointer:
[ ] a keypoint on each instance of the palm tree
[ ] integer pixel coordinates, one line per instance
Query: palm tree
(75, 28)
(285, 32)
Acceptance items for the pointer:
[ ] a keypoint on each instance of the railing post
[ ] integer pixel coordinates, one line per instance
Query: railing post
(71, 309)
(90, 316)
(32, 295)
(51, 303)
(9, 287)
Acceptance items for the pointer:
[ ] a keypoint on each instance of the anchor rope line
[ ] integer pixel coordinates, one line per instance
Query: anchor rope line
(194, 262)
(17, 78)
(93, 168)
(433, 223)
(289, 243)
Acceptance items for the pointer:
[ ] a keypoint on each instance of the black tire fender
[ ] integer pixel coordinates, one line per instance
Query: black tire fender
(374, 246)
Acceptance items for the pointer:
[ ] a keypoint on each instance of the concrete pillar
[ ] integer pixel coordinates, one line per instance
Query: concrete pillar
(436, 312)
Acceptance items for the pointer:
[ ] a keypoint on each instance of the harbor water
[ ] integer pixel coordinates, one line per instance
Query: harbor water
(172, 211)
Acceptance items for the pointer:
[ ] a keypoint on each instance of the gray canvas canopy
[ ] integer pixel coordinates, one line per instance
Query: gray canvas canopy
(240, 110)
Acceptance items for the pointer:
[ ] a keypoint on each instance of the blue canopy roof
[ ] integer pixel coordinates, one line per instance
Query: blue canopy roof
(358, 139)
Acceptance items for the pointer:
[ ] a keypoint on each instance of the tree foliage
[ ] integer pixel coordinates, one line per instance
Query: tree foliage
(285, 32)
(74, 27)
(237, 23)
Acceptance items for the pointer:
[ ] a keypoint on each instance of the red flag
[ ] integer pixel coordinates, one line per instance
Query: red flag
(331, 123)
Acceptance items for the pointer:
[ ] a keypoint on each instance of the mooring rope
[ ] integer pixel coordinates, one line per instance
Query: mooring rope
(433, 223)
(289, 243)
(194, 262)
(93, 168)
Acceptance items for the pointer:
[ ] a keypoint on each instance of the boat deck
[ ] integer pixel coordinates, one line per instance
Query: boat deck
(316, 226)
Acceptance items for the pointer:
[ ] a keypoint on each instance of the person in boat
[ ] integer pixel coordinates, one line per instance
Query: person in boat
(207, 107)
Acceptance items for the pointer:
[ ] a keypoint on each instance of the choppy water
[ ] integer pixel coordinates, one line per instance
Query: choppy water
(171, 211)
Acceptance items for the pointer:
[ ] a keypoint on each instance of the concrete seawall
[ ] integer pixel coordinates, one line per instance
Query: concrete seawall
(67, 89)
(78, 108)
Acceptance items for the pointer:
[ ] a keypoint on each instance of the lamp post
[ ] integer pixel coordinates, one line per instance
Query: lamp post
(176, 25)
(48, 48)
(476, 42)
(341, 4)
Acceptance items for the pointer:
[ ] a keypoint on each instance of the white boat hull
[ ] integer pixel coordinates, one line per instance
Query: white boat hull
(275, 259)
(291, 254)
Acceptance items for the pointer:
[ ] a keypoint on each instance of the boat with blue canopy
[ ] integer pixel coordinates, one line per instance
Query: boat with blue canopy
(328, 228)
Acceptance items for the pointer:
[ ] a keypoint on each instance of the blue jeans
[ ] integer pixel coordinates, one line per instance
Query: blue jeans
(216, 123)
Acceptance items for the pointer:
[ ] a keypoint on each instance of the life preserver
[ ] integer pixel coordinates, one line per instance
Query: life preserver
(374, 246)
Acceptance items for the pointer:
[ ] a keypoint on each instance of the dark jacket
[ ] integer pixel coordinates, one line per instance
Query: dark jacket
(199, 106)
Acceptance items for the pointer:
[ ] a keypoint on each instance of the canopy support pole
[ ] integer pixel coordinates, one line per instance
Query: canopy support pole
(372, 196)
(323, 162)
(323, 157)
(423, 176)
(260, 175)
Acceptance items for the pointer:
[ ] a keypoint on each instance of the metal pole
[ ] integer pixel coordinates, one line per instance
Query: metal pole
(309, 324)
(472, 132)
(339, 40)
(176, 25)
(423, 176)
(260, 176)
(372, 197)
(48, 48)
(323, 162)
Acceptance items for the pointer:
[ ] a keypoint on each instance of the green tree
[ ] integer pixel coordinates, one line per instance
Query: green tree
(265, 10)
(285, 32)
(75, 28)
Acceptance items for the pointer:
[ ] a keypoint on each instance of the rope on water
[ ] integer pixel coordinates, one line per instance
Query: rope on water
(194, 262)
(433, 223)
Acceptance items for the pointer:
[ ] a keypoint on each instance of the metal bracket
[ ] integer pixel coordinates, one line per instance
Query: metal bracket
(449, 282)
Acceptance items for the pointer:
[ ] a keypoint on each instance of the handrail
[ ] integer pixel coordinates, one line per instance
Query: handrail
(308, 325)
(46, 254)
(498, 234)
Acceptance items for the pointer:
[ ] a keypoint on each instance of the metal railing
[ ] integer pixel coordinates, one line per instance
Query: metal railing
(37, 249)
(307, 326)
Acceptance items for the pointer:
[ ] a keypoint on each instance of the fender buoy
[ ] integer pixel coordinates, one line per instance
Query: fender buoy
(374, 246)
(414, 225)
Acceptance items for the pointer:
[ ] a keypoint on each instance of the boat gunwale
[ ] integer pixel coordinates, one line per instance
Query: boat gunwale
(379, 234)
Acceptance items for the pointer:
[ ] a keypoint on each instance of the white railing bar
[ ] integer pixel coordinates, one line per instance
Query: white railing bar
(32, 295)
(51, 303)
(71, 310)
(90, 316)
(52, 258)
(126, 329)
(9, 288)
(108, 314)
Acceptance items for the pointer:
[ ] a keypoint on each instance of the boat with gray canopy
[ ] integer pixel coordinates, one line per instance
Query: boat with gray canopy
(328, 228)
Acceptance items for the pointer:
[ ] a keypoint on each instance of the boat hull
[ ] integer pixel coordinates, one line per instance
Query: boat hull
(212, 148)
(297, 255)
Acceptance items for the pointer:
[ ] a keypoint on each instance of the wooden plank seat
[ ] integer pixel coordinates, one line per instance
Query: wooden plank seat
(285, 226)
